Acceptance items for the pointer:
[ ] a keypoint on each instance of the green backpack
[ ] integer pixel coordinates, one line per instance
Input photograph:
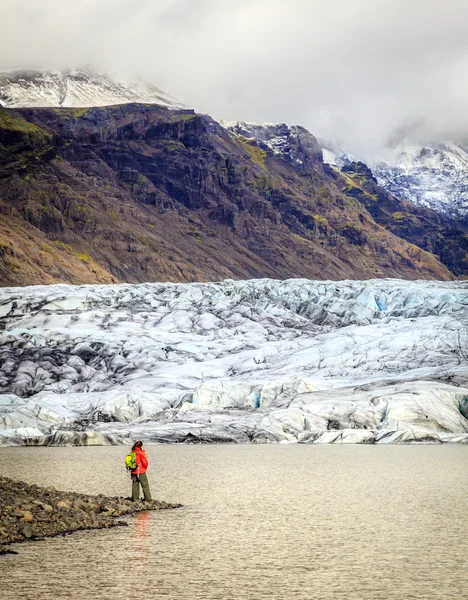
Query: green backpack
(130, 461)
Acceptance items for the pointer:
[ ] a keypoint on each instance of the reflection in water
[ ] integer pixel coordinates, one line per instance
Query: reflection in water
(142, 521)
(258, 523)
(141, 534)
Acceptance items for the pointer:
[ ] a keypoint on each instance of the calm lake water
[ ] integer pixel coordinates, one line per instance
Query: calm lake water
(281, 522)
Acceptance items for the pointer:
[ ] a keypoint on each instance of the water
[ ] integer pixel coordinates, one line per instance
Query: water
(281, 522)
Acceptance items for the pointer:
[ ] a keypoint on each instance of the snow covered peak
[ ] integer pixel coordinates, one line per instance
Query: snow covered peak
(293, 143)
(434, 176)
(75, 88)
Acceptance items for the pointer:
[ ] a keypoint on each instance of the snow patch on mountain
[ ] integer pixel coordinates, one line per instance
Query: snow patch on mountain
(75, 88)
(247, 361)
(292, 143)
(334, 155)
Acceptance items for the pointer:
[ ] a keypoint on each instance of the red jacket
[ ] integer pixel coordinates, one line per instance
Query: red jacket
(141, 461)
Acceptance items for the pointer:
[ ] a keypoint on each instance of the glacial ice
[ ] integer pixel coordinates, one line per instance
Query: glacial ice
(381, 361)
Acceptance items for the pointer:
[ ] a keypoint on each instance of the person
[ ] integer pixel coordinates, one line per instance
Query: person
(139, 476)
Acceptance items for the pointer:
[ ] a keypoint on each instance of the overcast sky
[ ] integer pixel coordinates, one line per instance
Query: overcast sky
(360, 72)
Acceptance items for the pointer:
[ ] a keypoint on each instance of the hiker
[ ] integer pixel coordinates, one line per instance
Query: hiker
(139, 476)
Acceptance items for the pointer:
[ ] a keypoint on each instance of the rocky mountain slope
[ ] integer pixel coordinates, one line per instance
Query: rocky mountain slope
(139, 192)
(428, 229)
(382, 361)
(75, 88)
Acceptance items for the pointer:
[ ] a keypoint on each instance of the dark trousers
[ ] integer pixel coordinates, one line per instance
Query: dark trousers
(142, 480)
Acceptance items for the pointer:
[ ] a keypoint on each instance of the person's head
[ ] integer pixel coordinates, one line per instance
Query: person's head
(137, 445)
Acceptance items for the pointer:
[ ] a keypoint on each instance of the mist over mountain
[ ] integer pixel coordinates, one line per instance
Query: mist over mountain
(363, 74)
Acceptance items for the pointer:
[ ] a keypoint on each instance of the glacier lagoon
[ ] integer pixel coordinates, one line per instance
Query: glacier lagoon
(258, 522)
(375, 362)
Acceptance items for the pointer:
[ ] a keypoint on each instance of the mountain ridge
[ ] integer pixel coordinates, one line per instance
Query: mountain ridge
(148, 193)
(432, 176)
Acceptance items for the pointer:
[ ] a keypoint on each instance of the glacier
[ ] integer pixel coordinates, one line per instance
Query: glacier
(295, 361)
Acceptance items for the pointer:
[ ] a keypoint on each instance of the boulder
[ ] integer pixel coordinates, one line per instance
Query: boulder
(27, 517)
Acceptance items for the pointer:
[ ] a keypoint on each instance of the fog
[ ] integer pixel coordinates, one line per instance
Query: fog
(363, 73)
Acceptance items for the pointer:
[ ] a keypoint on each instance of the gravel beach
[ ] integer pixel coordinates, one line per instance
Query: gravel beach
(31, 512)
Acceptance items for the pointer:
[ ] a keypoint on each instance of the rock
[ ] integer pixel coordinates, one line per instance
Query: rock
(93, 518)
(83, 505)
(41, 516)
(43, 505)
(27, 517)
(26, 531)
(63, 504)
(4, 550)
(294, 144)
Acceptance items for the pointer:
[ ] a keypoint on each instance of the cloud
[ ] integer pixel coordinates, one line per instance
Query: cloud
(360, 72)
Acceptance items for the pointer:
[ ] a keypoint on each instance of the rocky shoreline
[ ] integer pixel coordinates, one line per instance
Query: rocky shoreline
(29, 512)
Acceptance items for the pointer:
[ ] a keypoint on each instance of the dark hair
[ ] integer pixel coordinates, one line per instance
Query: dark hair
(137, 445)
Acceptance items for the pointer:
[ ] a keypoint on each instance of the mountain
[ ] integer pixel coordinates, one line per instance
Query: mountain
(380, 361)
(434, 176)
(139, 192)
(428, 229)
(293, 144)
(75, 88)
